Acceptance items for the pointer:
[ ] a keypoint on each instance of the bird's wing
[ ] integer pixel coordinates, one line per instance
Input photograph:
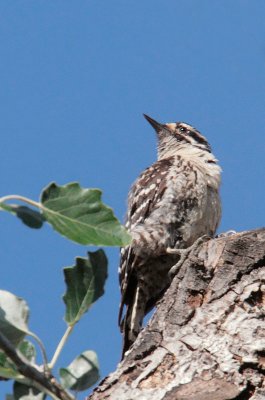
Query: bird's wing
(143, 198)
(146, 192)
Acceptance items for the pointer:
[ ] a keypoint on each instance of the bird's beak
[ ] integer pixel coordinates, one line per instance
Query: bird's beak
(156, 125)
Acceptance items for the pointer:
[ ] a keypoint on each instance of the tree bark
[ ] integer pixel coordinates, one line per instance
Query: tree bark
(206, 340)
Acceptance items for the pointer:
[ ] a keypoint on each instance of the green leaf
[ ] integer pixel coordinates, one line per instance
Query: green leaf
(25, 392)
(84, 284)
(80, 215)
(28, 350)
(82, 373)
(32, 218)
(14, 314)
(8, 369)
(7, 207)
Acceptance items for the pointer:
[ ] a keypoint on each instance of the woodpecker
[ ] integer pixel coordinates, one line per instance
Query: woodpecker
(172, 204)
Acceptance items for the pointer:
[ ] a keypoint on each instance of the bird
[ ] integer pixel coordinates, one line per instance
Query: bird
(171, 205)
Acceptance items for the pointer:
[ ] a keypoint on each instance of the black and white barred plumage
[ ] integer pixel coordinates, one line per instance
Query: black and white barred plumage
(171, 205)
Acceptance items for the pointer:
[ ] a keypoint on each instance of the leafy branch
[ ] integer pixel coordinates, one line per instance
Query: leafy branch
(74, 212)
(79, 215)
(41, 381)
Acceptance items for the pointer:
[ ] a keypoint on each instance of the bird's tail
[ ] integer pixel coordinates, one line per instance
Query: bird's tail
(133, 319)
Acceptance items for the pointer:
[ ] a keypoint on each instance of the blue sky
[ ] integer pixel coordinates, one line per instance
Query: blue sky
(75, 78)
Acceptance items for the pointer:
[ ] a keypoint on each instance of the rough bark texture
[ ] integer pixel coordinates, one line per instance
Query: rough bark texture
(206, 340)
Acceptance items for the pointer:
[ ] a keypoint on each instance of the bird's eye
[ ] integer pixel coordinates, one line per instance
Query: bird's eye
(182, 129)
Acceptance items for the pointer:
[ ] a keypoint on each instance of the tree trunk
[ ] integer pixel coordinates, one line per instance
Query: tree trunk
(206, 340)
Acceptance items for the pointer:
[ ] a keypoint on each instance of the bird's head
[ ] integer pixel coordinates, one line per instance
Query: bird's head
(172, 136)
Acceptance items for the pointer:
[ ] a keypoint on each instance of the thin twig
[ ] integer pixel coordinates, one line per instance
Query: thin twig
(20, 198)
(60, 346)
(42, 349)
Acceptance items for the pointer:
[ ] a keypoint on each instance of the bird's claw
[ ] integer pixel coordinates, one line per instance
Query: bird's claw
(184, 254)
